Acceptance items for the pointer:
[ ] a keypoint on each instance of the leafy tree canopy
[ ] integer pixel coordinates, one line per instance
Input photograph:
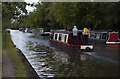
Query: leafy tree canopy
(104, 16)
(12, 10)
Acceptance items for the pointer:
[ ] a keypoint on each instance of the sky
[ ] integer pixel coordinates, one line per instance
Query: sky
(30, 9)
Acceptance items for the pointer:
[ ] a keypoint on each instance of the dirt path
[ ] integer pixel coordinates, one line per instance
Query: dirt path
(7, 66)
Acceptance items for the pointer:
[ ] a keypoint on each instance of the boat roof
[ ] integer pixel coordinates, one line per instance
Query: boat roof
(94, 31)
(102, 31)
(66, 32)
(99, 31)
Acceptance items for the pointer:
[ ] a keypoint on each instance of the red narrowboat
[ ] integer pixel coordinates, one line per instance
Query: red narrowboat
(65, 38)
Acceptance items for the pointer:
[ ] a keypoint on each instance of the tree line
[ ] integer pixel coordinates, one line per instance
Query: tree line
(56, 15)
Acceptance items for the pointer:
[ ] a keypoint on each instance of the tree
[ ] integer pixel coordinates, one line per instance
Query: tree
(103, 16)
(12, 10)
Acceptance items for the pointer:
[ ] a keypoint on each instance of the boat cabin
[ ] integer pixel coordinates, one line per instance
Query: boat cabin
(104, 37)
(65, 38)
(41, 31)
(98, 36)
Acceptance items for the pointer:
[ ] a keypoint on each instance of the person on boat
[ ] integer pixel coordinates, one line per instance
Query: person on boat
(66, 28)
(75, 30)
(85, 34)
(51, 34)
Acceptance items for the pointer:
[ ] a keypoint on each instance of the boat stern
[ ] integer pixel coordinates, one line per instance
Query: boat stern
(86, 48)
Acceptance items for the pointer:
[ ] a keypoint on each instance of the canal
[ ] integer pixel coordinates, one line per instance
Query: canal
(50, 60)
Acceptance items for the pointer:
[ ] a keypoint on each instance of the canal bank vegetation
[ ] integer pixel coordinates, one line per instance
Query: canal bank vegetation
(12, 52)
(95, 15)
(0, 53)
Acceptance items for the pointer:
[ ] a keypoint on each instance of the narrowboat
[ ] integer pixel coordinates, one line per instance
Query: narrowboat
(41, 31)
(108, 38)
(65, 38)
(28, 30)
(22, 29)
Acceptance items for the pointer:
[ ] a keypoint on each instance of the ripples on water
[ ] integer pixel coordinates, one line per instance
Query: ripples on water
(69, 63)
(56, 61)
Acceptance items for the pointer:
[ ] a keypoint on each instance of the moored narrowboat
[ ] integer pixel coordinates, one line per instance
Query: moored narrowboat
(104, 37)
(41, 31)
(28, 30)
(65, 38)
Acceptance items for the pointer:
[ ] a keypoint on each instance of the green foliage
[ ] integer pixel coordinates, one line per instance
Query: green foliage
(65, 13)
(60, 14)
(0, 53)
(12, 10)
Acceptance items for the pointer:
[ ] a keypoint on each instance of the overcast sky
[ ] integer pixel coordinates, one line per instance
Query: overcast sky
(28, 7)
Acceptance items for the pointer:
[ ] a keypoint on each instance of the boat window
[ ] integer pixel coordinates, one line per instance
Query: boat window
(55, 36)
(98, 35)
(65, 38)
(60, 36)
(104, 35)
(41, 30)
(92, 35)
(95, 35)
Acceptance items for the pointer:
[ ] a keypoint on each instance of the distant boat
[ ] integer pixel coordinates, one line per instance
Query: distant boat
(65, 38)
(22, 29)
(41, 31)
(104, 37)
(26, 30)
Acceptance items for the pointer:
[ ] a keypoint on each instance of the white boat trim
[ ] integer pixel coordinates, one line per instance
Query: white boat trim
(112, 42)
(46, 32)
(85, 46)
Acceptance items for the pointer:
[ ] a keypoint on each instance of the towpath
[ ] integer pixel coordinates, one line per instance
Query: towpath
(7, 66)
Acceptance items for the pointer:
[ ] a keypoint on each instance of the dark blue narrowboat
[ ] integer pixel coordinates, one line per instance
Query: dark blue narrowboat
(65, 38)
(109, 38)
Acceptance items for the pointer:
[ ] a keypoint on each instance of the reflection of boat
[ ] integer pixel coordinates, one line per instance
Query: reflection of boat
(65, 38)
(104, 37)
(41, 31)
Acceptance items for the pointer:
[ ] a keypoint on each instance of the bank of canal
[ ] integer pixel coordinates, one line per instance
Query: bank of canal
(14, 63)
(55, 61)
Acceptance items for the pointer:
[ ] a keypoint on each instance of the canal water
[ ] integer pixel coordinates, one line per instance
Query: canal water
(50, 60)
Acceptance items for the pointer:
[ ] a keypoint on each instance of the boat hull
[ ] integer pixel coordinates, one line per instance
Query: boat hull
(113, 43)
(84, 48)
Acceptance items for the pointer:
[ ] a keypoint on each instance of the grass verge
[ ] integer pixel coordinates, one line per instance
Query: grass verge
(12, 52)
(0, 54)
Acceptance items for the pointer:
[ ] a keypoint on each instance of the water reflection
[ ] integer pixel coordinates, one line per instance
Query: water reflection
(63, 62)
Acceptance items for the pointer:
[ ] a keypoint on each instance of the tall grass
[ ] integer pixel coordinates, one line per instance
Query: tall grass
(12, 52)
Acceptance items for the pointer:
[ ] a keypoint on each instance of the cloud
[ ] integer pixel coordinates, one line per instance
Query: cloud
(31, 1)
(29, 8)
